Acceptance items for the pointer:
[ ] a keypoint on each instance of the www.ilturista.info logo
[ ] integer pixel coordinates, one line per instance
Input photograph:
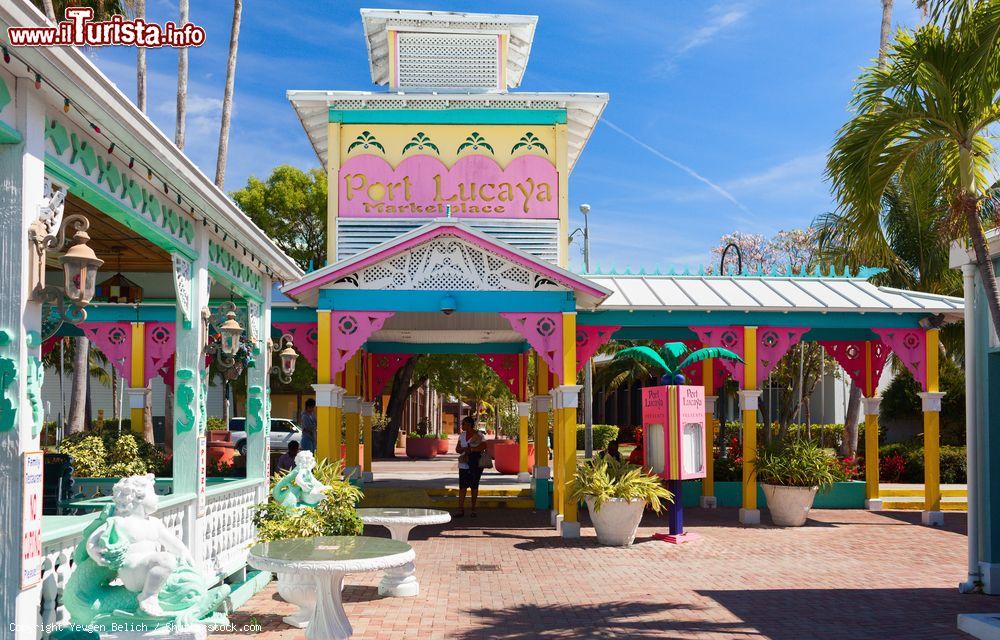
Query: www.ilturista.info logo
(79, 29)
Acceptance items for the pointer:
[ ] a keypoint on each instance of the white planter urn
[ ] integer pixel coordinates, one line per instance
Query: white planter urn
(298, 589)
(789, 506)
(616, 521)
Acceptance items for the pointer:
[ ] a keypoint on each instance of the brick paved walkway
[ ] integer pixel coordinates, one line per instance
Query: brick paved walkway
(847, 575)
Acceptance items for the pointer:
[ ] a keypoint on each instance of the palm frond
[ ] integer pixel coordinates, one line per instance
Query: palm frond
(706, 353)
(645, 355)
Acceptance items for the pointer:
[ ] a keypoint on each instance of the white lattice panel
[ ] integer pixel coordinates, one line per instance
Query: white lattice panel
(447, 263)
(438, 60)
(228, 529)
(57, 565)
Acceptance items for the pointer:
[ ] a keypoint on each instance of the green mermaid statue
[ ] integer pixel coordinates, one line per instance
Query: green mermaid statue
(299, 487)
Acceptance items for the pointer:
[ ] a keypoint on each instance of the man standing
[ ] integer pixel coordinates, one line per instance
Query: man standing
(308, 423)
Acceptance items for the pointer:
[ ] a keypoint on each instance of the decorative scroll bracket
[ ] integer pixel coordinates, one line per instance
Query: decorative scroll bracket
(159, 349)
(544, 332)
(305, 337)
(512, 370)
(851, 354)
(910, 346)
(182, 287)
(772, 345)
(114, 339)
(589, 339)
(727, 337)
(382, 367)
(349, 330)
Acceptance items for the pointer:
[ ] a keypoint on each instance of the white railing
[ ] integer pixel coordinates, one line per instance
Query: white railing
(221, 539)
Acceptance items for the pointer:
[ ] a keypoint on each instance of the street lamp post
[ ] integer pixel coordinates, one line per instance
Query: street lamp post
(588, 368)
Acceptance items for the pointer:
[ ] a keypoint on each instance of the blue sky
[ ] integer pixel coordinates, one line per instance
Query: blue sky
(745, 95)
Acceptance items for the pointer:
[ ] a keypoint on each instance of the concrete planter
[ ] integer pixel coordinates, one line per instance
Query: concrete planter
(507, 456)
(616, 521)
(443, 445)
(421, 448)
(298, 589)
(789, 506)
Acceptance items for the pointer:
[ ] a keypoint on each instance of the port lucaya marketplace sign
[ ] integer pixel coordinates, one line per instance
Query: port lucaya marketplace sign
(424, 187)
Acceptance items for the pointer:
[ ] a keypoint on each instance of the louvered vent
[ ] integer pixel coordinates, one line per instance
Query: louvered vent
(539, 238)
(448, 61)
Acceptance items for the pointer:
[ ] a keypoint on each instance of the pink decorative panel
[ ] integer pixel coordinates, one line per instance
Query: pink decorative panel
(510, 369)
(305, 337)
(382, 367)
(49, 344)
(772, 345)
(544, 332)
(693, 373)
(166, 372)
(424, 187)
(159, 349)
(850, 355)
(114, 339)
(349, 330)
(589, 339)
(910, 346)
(728, 337)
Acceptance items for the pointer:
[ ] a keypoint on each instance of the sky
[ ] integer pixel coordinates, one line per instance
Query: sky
(719, 120)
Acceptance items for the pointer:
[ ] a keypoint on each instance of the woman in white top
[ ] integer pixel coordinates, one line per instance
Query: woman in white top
(471, 445)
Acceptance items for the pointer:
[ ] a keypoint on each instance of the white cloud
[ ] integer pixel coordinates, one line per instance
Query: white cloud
(718, 22)
(799, 174)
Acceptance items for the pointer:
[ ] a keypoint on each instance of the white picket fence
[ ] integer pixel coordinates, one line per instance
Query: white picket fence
(221, 538)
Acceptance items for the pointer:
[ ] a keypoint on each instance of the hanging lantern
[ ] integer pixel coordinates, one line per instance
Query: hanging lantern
(288, 356)
(118, 289)
(230, 331)
(80, 265)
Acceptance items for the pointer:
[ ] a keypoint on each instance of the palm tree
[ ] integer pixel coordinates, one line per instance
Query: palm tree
(227, 99)
(667, 360)
(140, 62)
(883, 41)
(938, 88)
(182, 80)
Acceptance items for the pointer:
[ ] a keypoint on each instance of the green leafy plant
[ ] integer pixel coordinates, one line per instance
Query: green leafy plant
(442, 436)
(337, 515)
(215, 423)
(474, 141)
(366, 140)
(605, 479)
(796, 463)
(604, 434)
(105, 453)
(668, 358)
(420, 142)
(528, 142)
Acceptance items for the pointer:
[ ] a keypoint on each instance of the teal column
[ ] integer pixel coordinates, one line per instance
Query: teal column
(258, 387)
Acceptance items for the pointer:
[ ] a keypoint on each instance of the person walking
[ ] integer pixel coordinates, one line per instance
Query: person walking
(308, 423)
(471, 445)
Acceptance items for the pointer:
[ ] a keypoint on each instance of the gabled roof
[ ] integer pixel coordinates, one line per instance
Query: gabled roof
(377, 22)
(304, 289)
(768, 293)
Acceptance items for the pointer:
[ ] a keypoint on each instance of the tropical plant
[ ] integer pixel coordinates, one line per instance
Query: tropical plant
(604, 434)
(939, 87)
(668, 358)
(106, 453)
(528, 142)
(475, 141)
(603, 478)
(796, 463)
(365, 141)
(420, 142)
(227, 96)
(336, 515)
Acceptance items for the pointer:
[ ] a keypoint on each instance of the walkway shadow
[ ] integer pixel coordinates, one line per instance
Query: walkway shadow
(360, 593)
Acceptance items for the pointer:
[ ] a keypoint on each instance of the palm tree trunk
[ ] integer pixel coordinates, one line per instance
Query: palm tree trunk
(50, 11)
(140, 62)
(849, 444)
(967, 204)
(227, 99)
(147, 417)
(115, 407)
(78, 389)
(168, 421)
(182, 80)
(883, 43)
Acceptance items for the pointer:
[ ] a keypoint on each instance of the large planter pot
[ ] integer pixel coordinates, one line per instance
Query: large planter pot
(298, 589)
(444, 446)
(219, 447)
(507, 456)
(789, 506)
(616, 521)
(423, 448)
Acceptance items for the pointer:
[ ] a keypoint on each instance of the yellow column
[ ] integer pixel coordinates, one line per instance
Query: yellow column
(366, 426)
(523, 413)
(324, 379)
(871, 407)
(542, 402)
(352, 412)
(931, 401)
(137, 379)
(708, 482)
(749, 398)
(568, 401)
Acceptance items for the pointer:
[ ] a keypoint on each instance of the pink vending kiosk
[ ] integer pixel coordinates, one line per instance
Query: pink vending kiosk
(673, 436)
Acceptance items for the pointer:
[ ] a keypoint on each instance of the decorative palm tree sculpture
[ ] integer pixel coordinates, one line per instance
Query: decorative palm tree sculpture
(668, 358)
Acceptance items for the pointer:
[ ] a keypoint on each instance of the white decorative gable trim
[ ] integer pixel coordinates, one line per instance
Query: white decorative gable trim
(447, 263)
(182, 285)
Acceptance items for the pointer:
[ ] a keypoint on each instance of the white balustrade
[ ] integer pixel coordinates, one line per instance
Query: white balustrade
(227, 530)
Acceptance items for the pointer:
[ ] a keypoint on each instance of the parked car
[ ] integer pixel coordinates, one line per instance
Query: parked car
(283, 431)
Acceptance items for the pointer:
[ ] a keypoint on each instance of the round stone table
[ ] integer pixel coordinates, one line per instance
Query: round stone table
(326, 560)
(401, 581)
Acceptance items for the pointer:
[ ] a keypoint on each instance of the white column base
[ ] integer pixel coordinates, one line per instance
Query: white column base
(367, 476)
(569, 530)
(543, 473)
(136, 397)
(932, 518)
(352, 472)
(555, 519)
(991, 577)
(399, 582)
(524, 476)
(708, 502)
(873, 504)
(749, 516)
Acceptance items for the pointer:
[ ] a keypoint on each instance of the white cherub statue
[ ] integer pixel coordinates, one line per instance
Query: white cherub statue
(140, 548)
(300, 487)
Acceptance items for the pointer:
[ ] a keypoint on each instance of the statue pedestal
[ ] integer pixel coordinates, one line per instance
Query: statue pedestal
(135, 632)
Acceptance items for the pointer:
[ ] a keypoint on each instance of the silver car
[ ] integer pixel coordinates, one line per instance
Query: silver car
(283, 431)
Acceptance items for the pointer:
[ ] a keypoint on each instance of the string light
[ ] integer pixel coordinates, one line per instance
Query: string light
(111, 148)
(38, 81)
(93, 126)
(149, 173)
(66, 105)
(131, 163)
(6, 56)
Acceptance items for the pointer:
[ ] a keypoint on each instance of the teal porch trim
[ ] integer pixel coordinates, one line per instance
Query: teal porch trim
(82, 187)
(222, 276)
(430, 301)
(121, 313)
(449, 116)
(683, 333)
(444, 348)
(842, 495)
(292, 314)
(839, 321)
(8, 134)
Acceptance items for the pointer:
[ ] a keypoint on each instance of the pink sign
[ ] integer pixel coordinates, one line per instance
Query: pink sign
(424, 187)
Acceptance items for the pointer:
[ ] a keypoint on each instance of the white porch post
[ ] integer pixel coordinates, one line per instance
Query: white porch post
(21, 191)
(259, 388)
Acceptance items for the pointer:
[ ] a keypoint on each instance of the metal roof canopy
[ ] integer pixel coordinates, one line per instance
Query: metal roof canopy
(377, 22)
(312, 107)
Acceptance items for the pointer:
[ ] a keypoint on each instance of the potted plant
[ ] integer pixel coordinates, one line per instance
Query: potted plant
(421, 447)
(336, 515)
(219, 445)
(442, 442)
(616, 494)
(791, 473)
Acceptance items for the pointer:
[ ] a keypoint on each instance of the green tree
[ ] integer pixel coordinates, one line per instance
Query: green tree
(290, 207)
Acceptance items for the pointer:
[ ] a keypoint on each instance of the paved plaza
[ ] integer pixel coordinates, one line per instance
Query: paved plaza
(506, 574)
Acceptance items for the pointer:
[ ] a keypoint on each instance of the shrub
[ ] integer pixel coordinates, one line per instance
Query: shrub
(796, 463)
(953, 463)
(335, 516)
(891, 467)
(604, 434)
(605, 478)
(728, 470)
(215, 423)
(900, 401)
(104, 453)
